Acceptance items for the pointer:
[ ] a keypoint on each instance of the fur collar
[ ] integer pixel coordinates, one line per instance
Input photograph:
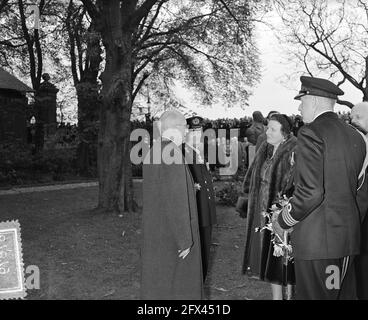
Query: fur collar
(285, 147)
(261, 156)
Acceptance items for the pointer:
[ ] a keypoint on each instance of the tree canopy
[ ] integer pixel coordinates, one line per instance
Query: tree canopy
(208, 45)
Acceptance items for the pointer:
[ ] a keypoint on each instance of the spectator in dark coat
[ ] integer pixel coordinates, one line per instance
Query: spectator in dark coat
(256, 129)
(298, 123)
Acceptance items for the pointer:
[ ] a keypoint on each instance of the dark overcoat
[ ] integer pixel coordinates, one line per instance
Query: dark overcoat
(282, 173)
(255, 130)
(361, 261)
(206, 204)
(170, 224)
(362, 200)
(205, 196)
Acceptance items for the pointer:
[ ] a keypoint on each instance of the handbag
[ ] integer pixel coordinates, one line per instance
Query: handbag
(242, 206)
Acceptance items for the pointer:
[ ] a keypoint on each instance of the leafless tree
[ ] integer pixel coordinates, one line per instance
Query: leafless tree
(328, 36)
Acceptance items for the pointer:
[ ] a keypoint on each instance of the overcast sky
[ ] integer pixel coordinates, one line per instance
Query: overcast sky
(270, 94)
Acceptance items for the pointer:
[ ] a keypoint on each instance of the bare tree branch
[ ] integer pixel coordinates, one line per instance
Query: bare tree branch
(29, 41)
(141, 12)
(152, 22)
(345, 103)
(140, 84)
(229, 11)
(328, 45)
(91, 8)
(71, 43)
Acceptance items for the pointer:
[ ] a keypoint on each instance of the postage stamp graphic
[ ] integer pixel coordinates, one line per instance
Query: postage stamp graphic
(12, 283)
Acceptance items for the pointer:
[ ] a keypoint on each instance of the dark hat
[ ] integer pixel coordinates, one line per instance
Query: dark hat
(195, 122)
(272, 113)
(257, 116)
(318, 87)
(284, 120)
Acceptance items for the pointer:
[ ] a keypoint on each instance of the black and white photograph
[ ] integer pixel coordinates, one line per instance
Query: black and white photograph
(211, 151)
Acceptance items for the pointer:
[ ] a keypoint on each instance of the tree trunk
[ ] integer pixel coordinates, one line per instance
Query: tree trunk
(89, 104)
(88, 111)
(114, 167)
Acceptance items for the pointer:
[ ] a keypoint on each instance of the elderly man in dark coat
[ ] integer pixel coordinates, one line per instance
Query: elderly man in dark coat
(324, 210)
(171, 252)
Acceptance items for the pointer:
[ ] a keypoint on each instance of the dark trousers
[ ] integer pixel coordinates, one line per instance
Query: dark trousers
(330, 279)
(361, 269)
(205, 234)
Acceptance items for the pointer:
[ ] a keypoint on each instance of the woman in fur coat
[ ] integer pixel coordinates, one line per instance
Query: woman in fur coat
(270, 174)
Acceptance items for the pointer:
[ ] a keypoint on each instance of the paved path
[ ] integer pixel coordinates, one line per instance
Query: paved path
(53, 187)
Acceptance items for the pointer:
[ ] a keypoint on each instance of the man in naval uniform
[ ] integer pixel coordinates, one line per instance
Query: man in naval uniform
(194, 154)
(324, 212)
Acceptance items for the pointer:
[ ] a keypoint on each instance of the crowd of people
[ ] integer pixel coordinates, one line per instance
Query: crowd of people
(305, 191)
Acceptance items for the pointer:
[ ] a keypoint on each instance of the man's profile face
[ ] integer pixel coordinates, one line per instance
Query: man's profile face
(359, 118)
(176, 130)
(183, 128)
(307, 108)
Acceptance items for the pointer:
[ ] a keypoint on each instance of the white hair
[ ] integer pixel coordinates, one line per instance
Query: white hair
(327, 102)
(324, 103)
(169, 119)
(363, 104)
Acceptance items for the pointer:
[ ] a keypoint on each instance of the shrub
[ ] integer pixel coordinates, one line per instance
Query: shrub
(17, 163)
(15, 154)
(57, 162)
(15, 158)
(228, 195)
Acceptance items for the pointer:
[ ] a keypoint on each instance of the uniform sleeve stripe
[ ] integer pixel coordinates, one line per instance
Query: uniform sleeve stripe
(288, 219)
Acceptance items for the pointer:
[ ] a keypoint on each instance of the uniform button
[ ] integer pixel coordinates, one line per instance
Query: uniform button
(205, 181)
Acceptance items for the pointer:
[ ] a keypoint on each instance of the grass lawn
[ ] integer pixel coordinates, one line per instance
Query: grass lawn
(83, 254)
